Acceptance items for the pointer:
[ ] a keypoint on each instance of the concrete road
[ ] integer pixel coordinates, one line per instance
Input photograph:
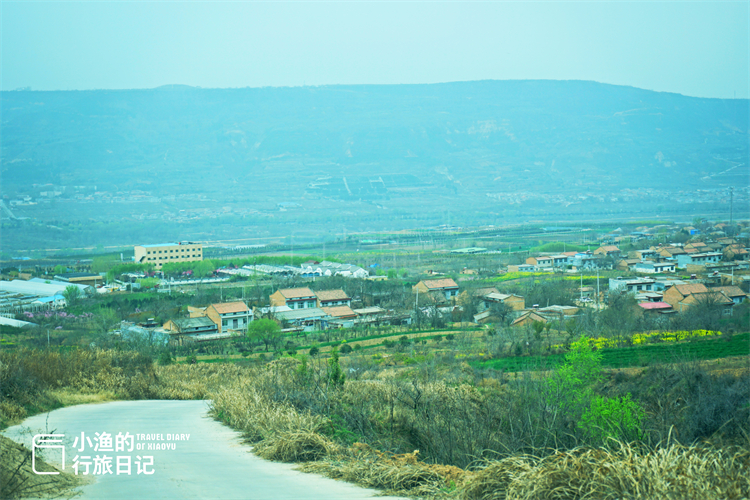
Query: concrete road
(210, 463)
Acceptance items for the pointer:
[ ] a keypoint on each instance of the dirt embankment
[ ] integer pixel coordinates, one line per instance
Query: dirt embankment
(18, 480)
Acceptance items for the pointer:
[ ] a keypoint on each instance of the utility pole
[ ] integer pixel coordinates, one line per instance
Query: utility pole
(731, 208)
(597, 289)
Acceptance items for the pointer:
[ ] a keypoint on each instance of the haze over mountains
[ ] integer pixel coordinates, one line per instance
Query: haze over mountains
(487, 149)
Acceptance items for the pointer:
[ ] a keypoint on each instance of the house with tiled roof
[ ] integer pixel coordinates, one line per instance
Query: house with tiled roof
(716, 298)
(644, 254)
(558, 312)
(627, 264)
(515, 302)
(541, 262)
(481, 292)
(608, 251)
(528, 318)
(446, 287)
(294, 298)
(230, 316)
(677, 293)
(340, 312)
(191, 327)
(671, 252)
(698, 246)
(736, 252)
(734, 293)
(725, 242)
(332, 298)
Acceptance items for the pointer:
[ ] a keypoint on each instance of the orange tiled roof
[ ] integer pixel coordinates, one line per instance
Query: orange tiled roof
(686, 290)
(296, 293)
(438, 284)
(729, 291)
(717, 297)
(530, 314)
(325, 295)
(230, 307)
(340, 311)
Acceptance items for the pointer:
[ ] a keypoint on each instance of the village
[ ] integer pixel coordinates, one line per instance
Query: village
(688, 268)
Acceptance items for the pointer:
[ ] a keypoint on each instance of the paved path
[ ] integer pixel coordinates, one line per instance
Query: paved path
(212, 464)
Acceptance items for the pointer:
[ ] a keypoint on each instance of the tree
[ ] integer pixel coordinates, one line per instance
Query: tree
(622, 314)
(469, 303)
(571, 384)
(165, 358)
(501, 311)
(204, 268)
(72, 295)
(599, 417)
(706, 313)
(550, 291)
(101, 264)
(266, 331)
(336, 376)
(538, 327)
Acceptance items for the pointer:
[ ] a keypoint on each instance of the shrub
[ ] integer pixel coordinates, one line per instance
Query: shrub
(618, 418)
(165, 358)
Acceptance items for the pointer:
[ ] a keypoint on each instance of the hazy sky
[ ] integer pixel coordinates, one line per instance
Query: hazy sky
(693, 48)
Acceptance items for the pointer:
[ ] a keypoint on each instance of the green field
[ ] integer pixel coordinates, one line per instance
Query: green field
(624, 357)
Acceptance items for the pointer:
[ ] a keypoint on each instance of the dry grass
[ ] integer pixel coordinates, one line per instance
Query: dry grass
(246, 409)
(68, 397)
(672, 472)
(292, 416)
(18, 480)
(29, 376)
(410, 336)
(396, 474)
(295, 446)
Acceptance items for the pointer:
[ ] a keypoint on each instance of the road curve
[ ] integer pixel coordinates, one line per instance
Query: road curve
(212, 464)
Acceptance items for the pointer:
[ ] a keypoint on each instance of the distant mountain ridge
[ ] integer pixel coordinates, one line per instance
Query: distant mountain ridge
(549, 135)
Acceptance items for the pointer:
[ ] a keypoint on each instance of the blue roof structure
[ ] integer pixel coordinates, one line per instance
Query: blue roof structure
(53, 298)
